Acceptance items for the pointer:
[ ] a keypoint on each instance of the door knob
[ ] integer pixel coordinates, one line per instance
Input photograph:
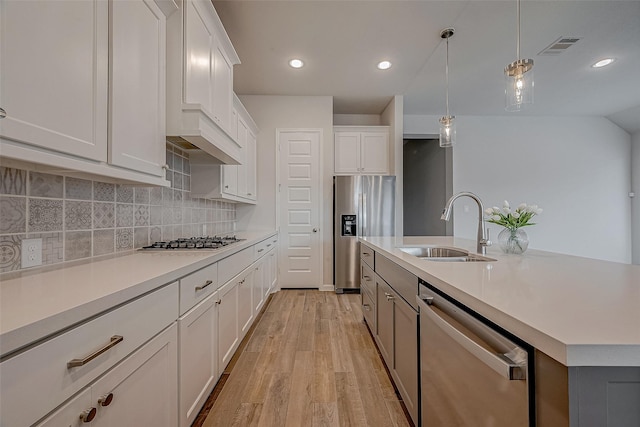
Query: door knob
(315, 230)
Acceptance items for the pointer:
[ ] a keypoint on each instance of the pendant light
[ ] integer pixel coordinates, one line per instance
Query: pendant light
(447, 123)
(518, 78)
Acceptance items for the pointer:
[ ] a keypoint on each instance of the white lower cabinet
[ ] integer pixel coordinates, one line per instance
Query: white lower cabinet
(228, 335)
(72, 413)
(245, 302)
(199, 372)
(259, 282)
(142, 390)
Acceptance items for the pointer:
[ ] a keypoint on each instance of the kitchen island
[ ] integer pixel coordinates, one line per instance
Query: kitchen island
(581, 316)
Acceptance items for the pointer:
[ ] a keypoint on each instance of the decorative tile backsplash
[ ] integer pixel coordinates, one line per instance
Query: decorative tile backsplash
(79, 218)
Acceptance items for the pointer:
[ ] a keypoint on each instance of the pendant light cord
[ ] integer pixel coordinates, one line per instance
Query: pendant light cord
(518, 39)
(446, 71)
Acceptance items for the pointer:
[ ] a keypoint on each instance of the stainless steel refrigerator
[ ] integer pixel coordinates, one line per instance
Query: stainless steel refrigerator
(363, 205)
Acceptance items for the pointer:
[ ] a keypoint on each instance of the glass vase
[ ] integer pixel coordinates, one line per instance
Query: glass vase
(513, 241)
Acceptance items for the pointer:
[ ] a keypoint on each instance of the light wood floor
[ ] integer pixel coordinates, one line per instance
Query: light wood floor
(310, 361)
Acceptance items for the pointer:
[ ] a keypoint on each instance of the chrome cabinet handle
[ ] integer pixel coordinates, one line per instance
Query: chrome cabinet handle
(366, 254)
(218, 302)
(367, 307)
(389, 297)
(201, 287)
(367, 278)
(88, 415)
(106, 399)
(268, 244)
(115, 340)
(260, 250)
(3, 113)
(315, 230)
(165, 167)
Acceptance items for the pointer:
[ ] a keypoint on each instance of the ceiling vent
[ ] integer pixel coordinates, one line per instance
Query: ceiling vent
(559, 46)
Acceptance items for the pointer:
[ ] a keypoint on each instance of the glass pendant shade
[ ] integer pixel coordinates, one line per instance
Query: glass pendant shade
(447, 131)
(518, 84)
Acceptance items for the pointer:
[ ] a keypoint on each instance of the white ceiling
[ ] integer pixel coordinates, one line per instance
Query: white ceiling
(342, 41)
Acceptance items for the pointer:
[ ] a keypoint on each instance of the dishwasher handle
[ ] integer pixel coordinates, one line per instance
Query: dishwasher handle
(498, 362)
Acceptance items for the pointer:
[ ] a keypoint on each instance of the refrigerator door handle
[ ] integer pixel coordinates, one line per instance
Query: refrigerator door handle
(363, 215)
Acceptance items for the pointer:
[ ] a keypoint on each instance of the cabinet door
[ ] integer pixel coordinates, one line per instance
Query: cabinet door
(69, 414)
(144, 387)
(222, 88)
(251, 169)
(229, 179)
(259, 283)
(198, 331)
(54, 80)
(242, 169)
(347, 152)
(227, 323)
(273, 272)
(245, 302)
(374, 152)
(405, 349)
(384, 313)
(199, 43)
(137, 86)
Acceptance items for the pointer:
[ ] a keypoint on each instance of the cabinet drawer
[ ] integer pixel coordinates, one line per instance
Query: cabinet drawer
(197, 286)
(234, 264)
(40, 375)
(263, 247)
(403, 282)
(367, 283)
(369, 310)
(367, 255)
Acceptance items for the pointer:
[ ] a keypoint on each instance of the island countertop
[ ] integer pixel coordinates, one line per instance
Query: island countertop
(579, 311)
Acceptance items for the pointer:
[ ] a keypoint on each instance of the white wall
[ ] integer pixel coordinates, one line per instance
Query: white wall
(576, 168)
(356, 120)
(286, 112)
(392, 116)
(635, 202)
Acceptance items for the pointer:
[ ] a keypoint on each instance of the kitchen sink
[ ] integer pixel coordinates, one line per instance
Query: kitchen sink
(444, 254)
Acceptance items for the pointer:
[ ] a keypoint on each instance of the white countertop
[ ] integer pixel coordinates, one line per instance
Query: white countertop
(34, 306)
(579, 311)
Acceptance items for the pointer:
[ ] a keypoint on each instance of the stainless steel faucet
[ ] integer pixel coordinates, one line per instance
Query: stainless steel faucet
(483, 233)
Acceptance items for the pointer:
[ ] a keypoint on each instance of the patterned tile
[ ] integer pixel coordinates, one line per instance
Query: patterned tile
(104, 242)
(75, 188)
(167, 196)
(155, 215)
(77, 215)
(124, 194)
(167, 216)
(104, 215)
(177, 197)
(141, 215)
(124, 215)
(177, 163)
(104, 192)
(140, 237)
(13, 181)
(167, 232)
(177, 215)
(210, 215)
(155, 197)
(155, 234)
(186, 216)
(13, 211)
(141, 195)
(177, 231)
(77, 244)
(45, 215)
(45, 185)
(124, 239)
(52, 247)
(10, 252)
(177, 180)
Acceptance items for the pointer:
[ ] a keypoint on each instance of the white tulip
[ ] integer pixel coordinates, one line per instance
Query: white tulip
(506, 210)
(496, 210)
(488, 211)
(516, 214)
(496, 217)
(521, 207)
(538, 211)
(506, 204)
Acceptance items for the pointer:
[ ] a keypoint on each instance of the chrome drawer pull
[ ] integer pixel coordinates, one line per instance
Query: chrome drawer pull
(106, 399)
(201, 287)
(116, 339)
(367, 307)
(88, 415)
(367, 278)
(268, 244)
(260, 250)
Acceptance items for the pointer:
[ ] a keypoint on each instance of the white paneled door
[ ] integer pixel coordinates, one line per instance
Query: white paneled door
(300, 209)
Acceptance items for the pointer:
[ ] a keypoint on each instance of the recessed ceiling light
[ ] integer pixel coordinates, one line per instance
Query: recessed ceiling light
(384, 65)
(296, 63)
(603, 63)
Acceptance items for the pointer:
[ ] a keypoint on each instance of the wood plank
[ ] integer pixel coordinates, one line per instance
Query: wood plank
(323, 379)
(348, 400)
(274, 410)
(300, 408)
(325, 415)
(247, 415)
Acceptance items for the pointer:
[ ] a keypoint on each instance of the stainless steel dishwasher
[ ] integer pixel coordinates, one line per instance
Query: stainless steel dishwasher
(471, 375)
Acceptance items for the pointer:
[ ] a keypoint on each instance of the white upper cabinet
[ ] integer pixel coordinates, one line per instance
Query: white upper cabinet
(83, 87)
(54, 75)
(137, 86)
(200, 60)
(361, 150)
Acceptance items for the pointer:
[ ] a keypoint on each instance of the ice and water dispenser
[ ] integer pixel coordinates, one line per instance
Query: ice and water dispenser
(348, 227)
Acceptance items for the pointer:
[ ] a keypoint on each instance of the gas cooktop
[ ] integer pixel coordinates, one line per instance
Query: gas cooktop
(193, 243)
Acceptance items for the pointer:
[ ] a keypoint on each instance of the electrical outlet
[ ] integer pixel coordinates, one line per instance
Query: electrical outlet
(31, 252)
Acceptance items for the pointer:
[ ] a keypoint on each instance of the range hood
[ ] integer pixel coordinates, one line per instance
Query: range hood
(198, 131)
